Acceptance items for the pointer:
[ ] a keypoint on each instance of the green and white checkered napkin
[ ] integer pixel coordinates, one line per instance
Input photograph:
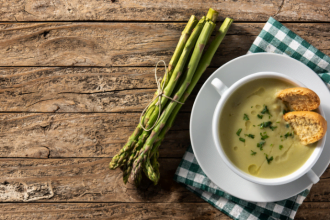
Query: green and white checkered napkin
(274, 38)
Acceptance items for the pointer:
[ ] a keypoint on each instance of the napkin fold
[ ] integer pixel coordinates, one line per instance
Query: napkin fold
(274, 38)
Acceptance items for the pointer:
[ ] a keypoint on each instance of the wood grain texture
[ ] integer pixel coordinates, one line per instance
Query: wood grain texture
(84, 180)
(110, 211)
(27, 211)
(80, 89)
(123, 44)
(313, 210)
(157, 10)
(90, 180)
(69, 188)
(80, 135)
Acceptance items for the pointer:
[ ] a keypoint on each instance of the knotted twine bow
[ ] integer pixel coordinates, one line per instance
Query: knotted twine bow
(161, 94)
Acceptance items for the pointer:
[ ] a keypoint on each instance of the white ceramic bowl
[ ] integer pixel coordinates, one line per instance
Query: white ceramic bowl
(225, 93)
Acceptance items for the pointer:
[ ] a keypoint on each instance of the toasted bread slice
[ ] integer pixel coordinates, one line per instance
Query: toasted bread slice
(300, 99)
(309, 126)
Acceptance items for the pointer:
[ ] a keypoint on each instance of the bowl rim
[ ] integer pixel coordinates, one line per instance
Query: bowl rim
(307, 166)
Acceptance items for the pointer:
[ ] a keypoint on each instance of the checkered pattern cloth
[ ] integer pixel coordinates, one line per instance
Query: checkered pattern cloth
(274, 38)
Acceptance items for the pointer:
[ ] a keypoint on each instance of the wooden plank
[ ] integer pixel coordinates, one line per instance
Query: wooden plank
(313, 210)
(113, 89)
(83, 89)
(122, 44)
(90, 180)
(151, 10)
(93, 44)
(321, 190)
(11, 211)
(79, 135)
(73, 180)
(111, 210)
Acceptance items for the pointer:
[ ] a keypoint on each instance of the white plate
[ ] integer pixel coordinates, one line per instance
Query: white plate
(201, 125)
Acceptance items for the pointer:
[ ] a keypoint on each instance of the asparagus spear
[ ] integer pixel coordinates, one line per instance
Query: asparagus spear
(118, 159)
(203, 64)
(182, 42)
(150, 121)
(178, 50)
(151, 169)
(168, 89)
(177, 70)
(202, 40)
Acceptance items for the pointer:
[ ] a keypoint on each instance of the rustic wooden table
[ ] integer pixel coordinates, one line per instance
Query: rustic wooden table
(74, 78)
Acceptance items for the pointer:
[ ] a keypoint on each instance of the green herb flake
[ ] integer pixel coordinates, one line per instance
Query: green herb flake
(273, 127)
(288, 134)
(260, 116)
(254, 125)
(253, 153)
(272, 145)
(265, 124)
(287, 125)
(280, 147)
(242, 139)
(278, 122)
(251, 106)
(281, 136)
(249, 135)
(239, 131)
(265, 111)
(269, 159)
(246, 117)
(264, 135)
(261, 144)
(285, 111)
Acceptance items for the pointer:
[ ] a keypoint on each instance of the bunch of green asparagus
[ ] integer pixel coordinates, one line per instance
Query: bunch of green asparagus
(140, 153)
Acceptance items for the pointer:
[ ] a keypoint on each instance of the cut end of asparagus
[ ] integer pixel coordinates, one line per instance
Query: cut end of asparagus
(202, 20)
(190, 25)
(212, 15)
(226, 24)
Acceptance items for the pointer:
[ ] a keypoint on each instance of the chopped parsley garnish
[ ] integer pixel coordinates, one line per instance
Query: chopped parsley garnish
(272, 145)
(273, 127)
(264, 136)
(287, 125)
(281, 136)
(239, 131)
(278, 122)
(251, 106)
(265, 110)
(265, 124)
(269, 159)
(280, 147)
(288, 134)
(242, 139)
(261, 144)
(254, 125)
(253, 153)
(246, 117)
(260, 116)
(249, 135)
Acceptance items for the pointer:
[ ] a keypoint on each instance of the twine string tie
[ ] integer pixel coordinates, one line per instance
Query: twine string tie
(160, 94)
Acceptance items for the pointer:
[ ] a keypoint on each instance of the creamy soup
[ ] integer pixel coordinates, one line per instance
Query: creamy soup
(255, 136)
